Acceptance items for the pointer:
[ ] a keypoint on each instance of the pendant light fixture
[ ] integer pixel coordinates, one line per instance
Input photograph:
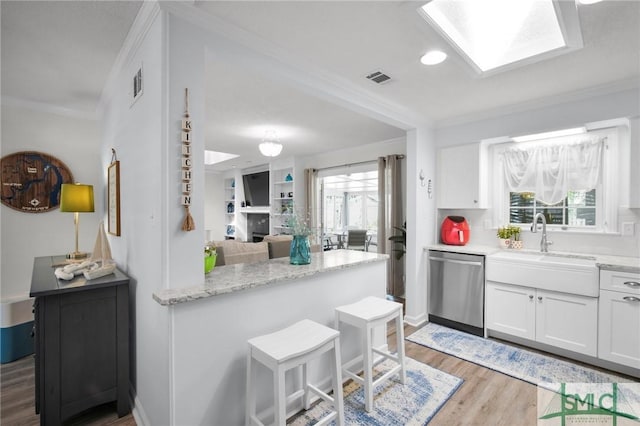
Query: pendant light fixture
(270, 146)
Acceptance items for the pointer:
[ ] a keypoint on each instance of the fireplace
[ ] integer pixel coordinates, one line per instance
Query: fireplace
(257, 226)
(257, 236)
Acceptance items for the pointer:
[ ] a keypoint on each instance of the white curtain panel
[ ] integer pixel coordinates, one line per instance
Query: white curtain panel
(553, 168)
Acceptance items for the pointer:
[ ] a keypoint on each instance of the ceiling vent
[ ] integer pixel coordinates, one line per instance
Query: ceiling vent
(379, 77)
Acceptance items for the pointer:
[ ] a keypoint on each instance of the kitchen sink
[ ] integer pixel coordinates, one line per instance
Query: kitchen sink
(563, 272)
(555, 258)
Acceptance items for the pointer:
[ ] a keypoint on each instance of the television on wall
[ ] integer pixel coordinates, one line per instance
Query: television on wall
(256, 189)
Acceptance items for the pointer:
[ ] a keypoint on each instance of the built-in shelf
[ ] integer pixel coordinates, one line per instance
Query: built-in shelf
(282, 205)
(230, 207)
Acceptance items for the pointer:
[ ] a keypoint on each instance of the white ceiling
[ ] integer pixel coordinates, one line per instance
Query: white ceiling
(60, 53)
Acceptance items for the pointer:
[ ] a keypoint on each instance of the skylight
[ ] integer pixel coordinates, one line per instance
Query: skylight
(492, 34)
(213, 157)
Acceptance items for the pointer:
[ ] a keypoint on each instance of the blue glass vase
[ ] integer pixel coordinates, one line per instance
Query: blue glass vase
(300, 253)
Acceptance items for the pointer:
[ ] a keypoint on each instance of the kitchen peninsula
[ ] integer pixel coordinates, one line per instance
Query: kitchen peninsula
(211, 324)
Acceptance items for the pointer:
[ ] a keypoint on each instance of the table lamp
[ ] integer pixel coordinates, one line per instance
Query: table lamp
(76, 198)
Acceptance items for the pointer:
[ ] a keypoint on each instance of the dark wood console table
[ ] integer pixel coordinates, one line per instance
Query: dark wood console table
(81, 342)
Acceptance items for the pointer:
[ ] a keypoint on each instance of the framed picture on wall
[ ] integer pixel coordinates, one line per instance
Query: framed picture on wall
(113, 198)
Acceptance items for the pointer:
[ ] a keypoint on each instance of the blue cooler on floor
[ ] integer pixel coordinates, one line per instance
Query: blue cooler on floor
(16, 318)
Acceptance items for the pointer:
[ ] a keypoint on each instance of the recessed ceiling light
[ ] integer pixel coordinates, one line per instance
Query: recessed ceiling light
(433, 57)
(589, 1)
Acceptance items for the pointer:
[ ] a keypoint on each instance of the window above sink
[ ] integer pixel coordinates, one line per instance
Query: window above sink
(579, 209)
(590, 208)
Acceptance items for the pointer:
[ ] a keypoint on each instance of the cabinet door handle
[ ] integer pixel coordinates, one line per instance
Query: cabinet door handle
(631, 299)
(531, 297)
(540, 298)
(632, 283)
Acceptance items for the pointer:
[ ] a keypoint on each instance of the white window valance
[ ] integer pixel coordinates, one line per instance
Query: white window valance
(553, 168)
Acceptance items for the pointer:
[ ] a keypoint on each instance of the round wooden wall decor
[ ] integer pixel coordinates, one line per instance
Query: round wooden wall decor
(31, 181)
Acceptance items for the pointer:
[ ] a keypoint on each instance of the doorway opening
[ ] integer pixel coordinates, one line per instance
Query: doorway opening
(349, 209)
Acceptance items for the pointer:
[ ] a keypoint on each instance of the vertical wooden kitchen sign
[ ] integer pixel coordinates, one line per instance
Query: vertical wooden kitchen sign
(185, 199)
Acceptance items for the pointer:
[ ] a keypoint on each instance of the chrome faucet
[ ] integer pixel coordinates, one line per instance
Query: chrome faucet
(544, 243)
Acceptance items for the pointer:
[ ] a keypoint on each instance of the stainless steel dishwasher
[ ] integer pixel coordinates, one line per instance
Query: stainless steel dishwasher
(456, 290)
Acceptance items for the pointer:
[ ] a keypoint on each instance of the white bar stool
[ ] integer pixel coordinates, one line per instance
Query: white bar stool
(291, 347)
(367, 314)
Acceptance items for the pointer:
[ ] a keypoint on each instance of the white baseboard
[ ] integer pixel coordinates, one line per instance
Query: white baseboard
(417, 321)
(136, 409)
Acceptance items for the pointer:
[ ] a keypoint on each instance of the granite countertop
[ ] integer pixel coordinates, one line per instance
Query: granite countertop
(233, 278)
(617, 263)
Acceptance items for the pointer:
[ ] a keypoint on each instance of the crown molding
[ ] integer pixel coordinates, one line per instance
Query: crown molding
(147, 15)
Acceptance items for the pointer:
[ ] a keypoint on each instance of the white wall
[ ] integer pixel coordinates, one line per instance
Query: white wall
(138, 134)
(76, 142)
(420, 218)
(551, 117)
(211, 338)
(618, 104)
(369, 152)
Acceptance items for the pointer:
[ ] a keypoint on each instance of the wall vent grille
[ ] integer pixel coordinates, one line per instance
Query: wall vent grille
(379, 77)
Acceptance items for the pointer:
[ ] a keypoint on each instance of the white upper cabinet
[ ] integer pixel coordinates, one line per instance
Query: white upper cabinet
(462, 177)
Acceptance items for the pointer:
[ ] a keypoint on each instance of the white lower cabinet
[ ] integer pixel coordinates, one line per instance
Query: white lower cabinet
(562, 320)
(567, 321)
(619, 324)
(511, 310)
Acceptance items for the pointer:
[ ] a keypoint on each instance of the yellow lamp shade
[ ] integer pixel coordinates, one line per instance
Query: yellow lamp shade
(76, 197)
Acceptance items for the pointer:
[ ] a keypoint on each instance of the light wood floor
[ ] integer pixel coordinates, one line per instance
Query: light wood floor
(485, 398)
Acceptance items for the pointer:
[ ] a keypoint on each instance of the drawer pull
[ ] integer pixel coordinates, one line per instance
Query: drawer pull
(631, 299)
(632, 283)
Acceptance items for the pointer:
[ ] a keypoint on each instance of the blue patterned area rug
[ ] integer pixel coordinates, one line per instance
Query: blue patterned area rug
(519, 363)
(415, 403)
